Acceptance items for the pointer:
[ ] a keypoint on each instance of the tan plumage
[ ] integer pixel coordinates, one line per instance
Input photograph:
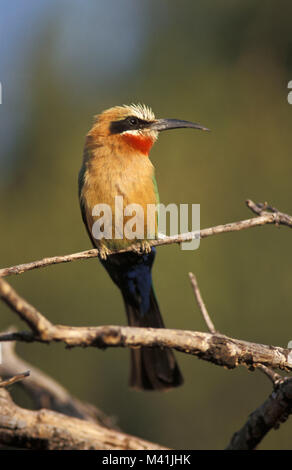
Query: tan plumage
(113, 167)
(116, 163)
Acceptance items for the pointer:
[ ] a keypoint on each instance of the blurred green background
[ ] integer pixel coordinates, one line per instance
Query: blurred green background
(225, 64)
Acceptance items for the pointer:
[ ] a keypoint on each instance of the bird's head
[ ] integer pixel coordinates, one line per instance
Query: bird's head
(133, 126)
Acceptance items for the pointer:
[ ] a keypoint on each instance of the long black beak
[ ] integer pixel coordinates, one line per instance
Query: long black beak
(165, 124)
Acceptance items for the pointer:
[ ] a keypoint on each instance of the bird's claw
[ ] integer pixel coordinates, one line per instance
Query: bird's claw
(103, 252)
(143, 247)
(146, 247)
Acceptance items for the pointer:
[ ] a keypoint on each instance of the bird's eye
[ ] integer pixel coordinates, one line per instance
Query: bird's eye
(133, 121)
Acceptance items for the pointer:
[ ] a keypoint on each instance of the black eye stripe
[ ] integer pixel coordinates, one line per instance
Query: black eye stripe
(133, 121)
(127, 124)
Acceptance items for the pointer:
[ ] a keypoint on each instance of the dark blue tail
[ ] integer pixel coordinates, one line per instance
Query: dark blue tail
(151, 368)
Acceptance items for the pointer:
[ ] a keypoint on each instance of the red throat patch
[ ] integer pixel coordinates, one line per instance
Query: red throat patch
(139, 142)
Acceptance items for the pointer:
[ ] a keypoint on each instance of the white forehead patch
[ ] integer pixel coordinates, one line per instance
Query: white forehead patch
(141, 111)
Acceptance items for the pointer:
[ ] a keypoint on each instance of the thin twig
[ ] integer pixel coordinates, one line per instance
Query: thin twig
(15, 378)
(265, 208)
(201, 303)
(264, 218)
(275, 378)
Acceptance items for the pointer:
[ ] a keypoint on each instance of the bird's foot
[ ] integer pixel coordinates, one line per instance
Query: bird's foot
(103, 252)
(146, 247)
(143, 247)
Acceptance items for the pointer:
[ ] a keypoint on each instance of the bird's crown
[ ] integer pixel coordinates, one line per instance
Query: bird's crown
(139, 111)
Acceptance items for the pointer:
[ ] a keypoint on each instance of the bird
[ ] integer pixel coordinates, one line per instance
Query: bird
(116, 163)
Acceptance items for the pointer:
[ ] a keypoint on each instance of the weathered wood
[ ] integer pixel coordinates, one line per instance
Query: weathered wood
(275, 410)
(213, 347)
(48, 430)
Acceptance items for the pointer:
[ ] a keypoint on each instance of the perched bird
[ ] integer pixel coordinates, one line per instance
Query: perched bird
(116, 163)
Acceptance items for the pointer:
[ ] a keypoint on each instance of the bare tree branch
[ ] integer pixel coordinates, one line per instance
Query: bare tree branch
(266, 209)
(48, 430)
(201, 303)
(215, 348)
(47, 393)
(266, 215)
(27, 312)
(14, 379)
(269, 415)
(275, 378)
